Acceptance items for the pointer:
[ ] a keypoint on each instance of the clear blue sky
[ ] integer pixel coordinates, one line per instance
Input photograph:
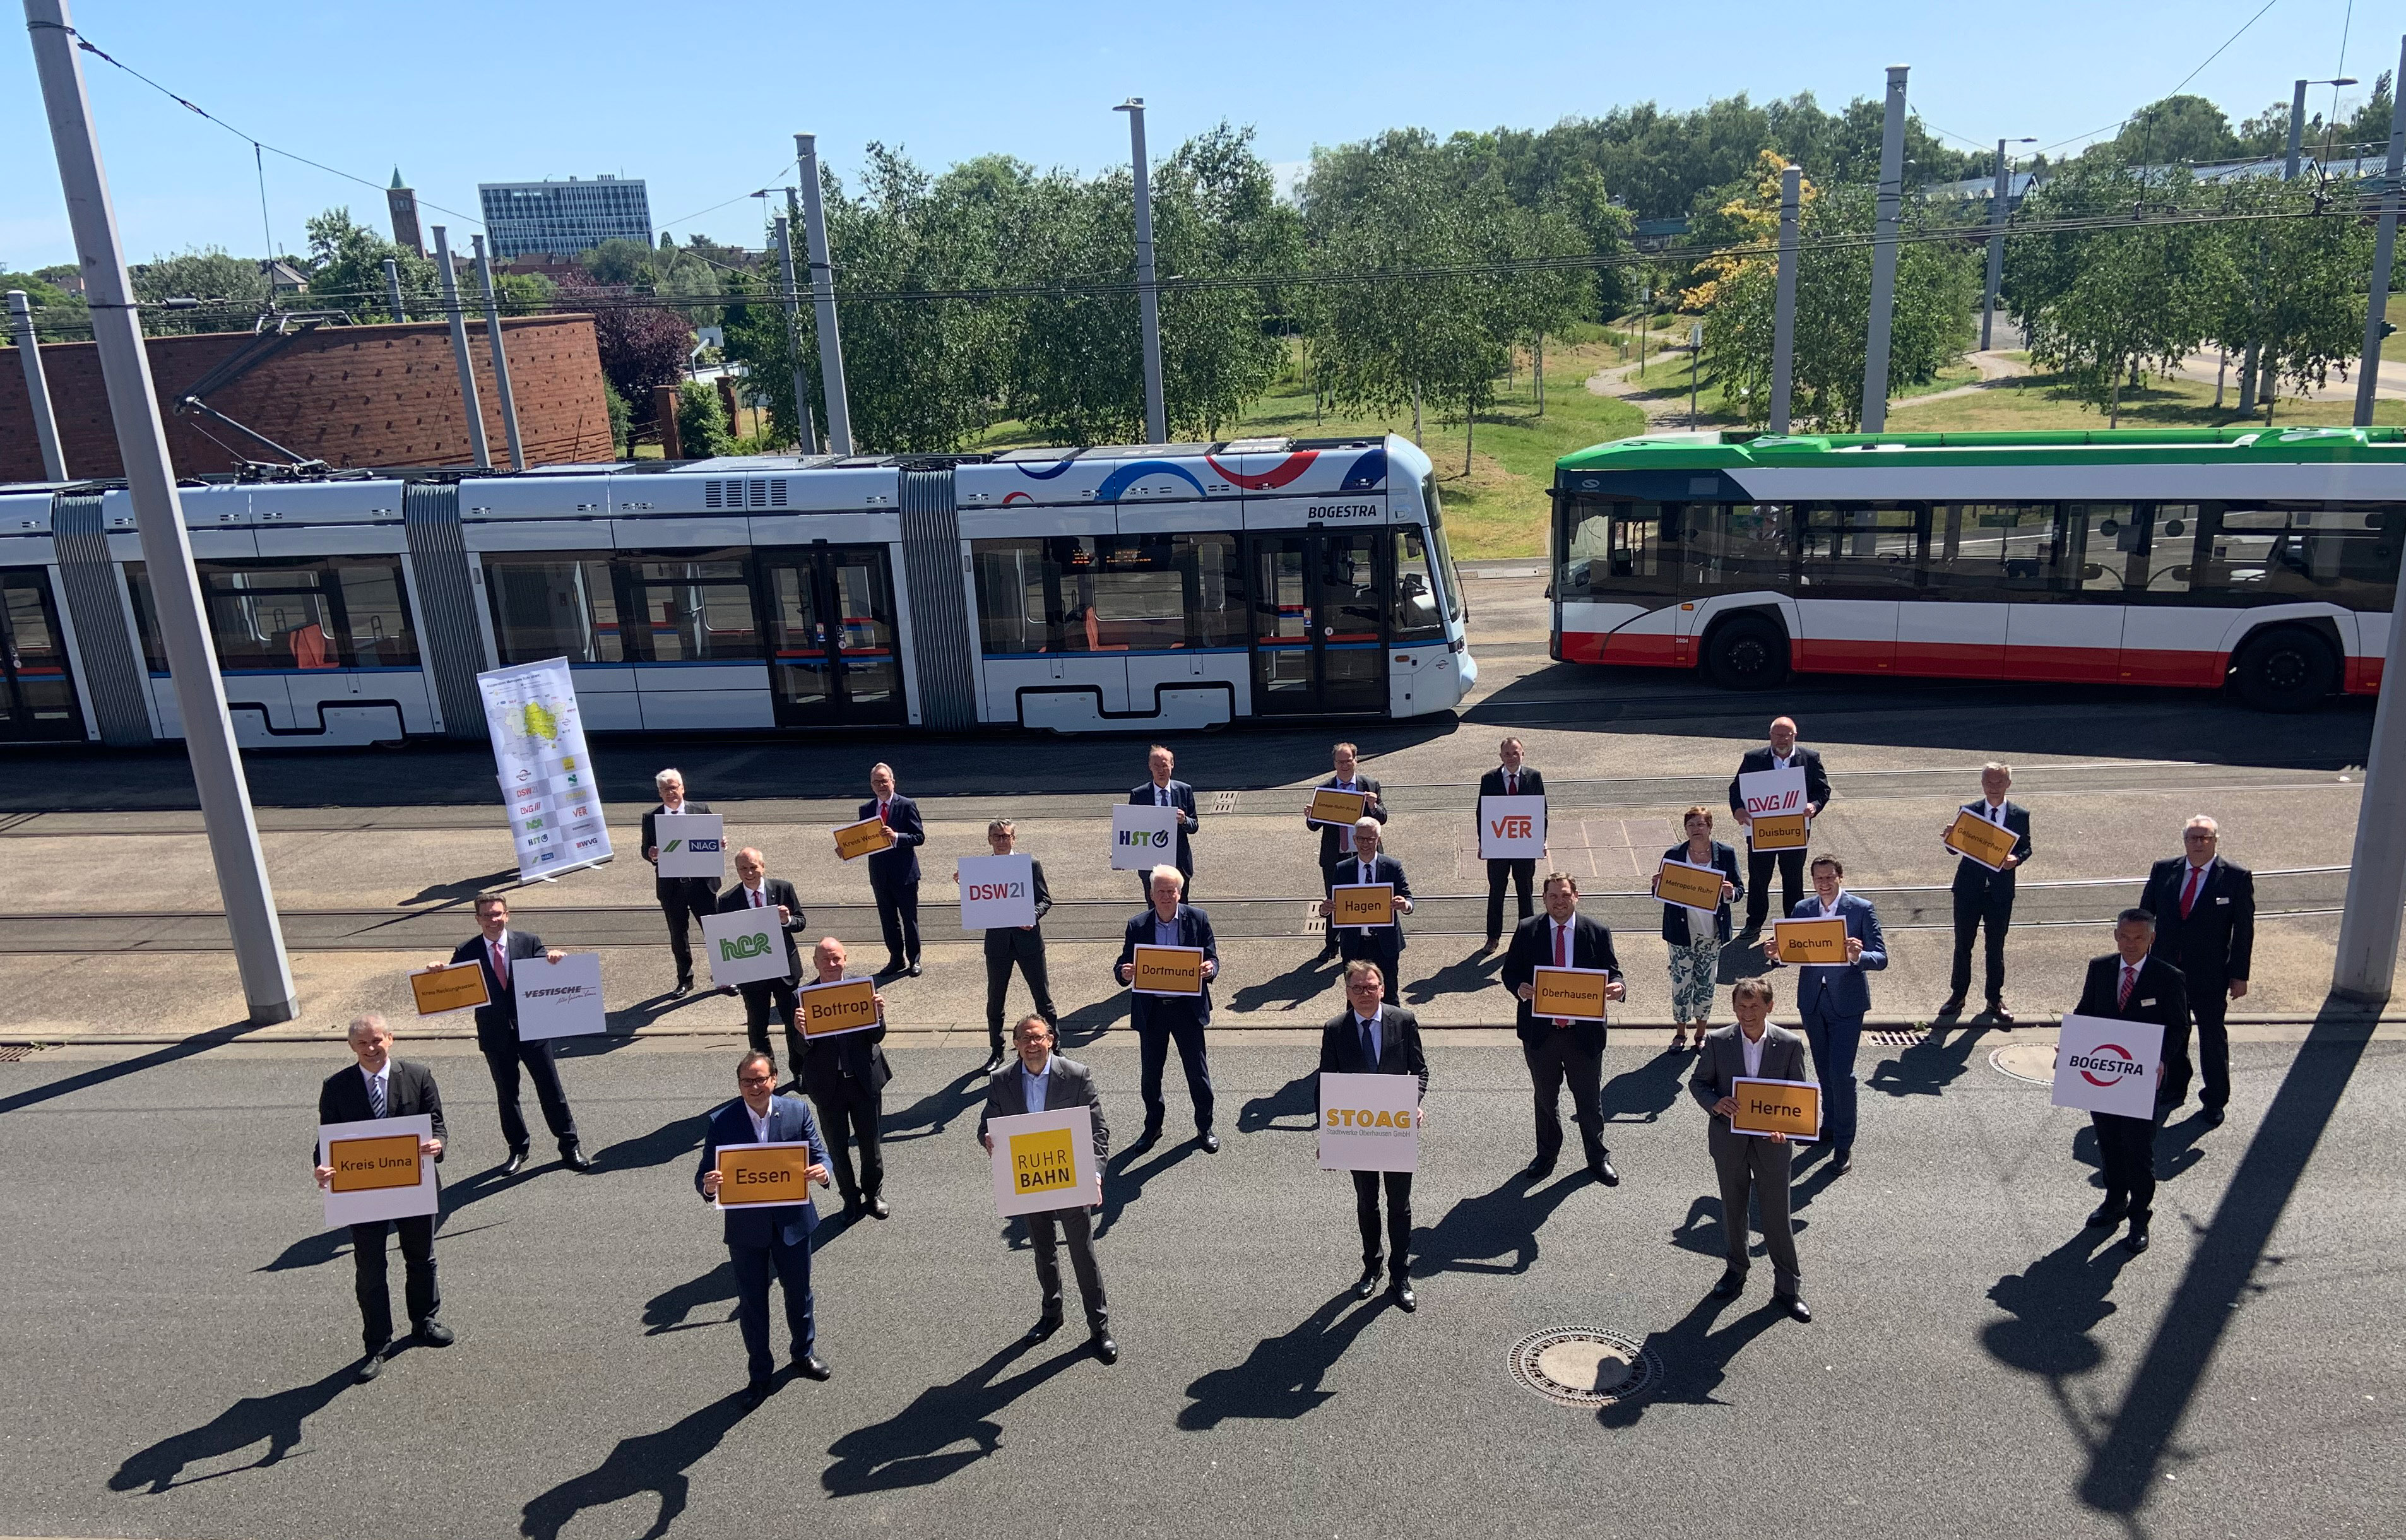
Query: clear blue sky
(701, 98)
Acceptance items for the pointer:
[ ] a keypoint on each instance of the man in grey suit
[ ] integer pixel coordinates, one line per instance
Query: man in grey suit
(1751, 1163)
(1041, 1083)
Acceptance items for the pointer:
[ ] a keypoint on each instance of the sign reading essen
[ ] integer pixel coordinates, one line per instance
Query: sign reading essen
(764, 1176)
(1166, 971)
(1811, 941)
(1792, 1108)
(830, 1010)
(866, 838)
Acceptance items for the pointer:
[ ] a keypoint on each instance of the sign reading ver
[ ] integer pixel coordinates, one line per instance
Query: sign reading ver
(545, 774)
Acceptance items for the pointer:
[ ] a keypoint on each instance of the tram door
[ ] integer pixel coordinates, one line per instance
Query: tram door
(37, 698)
(1319, 622)
(835, 654)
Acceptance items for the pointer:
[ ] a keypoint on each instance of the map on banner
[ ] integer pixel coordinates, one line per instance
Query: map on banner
(546, 775)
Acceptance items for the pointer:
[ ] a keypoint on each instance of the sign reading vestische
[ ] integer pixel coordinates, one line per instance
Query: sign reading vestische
(692, 844)
(1774, 799)
(561, 999)
(775, 1175)
(746, 946)
(546, 776)
(2107, 1065)
(1044, 1161)
(1369, 1122)
(830, 1010)
(1792, 1108)
(1144, 838)
(1511, 828)
(997, 892)
(379, 1171)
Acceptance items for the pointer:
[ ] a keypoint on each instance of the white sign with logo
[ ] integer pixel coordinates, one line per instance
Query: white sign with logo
(1511, 828)
(1369, 1122)
(1771, 792)
(997, 892)
(561, 999)
(2107, 1065)
(545, 774)
(746, 946)
(692, 844)
(1044, 1161)
(1144, 838)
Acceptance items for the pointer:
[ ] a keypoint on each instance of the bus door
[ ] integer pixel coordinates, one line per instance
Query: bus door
(1320, 641)
(2065, 624)
(835, 654)
(37, 698)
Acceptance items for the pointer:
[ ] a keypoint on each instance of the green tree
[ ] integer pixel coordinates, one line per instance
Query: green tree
(2174, 131)
(58, 314)
(347, 270)
(224, 292)
(703, 431)
(1216, 215)
(2291, 282)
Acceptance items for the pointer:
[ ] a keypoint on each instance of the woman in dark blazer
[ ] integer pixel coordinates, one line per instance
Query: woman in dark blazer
(1696, 960)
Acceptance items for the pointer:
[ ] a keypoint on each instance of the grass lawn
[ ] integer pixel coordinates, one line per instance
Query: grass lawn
(2035, 403)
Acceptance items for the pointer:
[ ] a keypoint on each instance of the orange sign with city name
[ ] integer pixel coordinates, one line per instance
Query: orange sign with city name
(1792, 1108)
(454, 987)
(1810, 940)
(365, 1165)
(866, 838)
(1695, 887)
(1338, 807)
(757, 1176)
(1168, 970)
(1779, 831)
(1573, 992)
(830, 1010)
(1983, 841)
(1370, 904)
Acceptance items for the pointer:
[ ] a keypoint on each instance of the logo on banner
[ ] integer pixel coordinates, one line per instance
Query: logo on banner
(534, 823)
(737, 948)
(1788, 801)
(1144, 839)
(1513, 826)
(1045, 1161)
(2112, 1060)
(698, 847)
(983, 891)
(1362, 1121)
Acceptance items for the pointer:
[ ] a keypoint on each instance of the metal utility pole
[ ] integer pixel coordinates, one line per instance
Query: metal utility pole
(392, 289)
(1695, 369)
(460, 355)
(2376, 874)
(1892, 196)
(1147, 295)
(37, 385)
(810, 439)
(501, 358)
(1997, 237)
(839, 404)
(1783, 314)
(158, 518)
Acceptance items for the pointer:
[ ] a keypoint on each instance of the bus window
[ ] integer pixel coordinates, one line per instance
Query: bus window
(2008, 550)
(1617, 549)
(1733, 546)
(1449, 579)
(554, 606)
(694, 610)
(1413, 614)
(2341, 555)
(2102, 538)
(2171, 544)
(1852, 545)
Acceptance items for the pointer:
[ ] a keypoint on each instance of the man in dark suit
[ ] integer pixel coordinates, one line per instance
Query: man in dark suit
(382, 1086)
(683, 899)
(1783, 753)
(1510, 778)
(894, 873)
(770, 1239)
(2205, 927)
(1984, 897)
(1558, 1049)
(845, 1077)
(756, 889)
(498, 948)
(1371, 1038)
(1040, 1081)
(1833, 999)
(1162, 790)
(1337, 840)
(1021, 946)
(2136, 985)
(1754, 1165)
(1380, 944)
(1161, 1020)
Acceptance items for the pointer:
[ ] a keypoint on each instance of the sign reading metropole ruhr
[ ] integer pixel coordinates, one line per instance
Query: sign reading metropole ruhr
(546, 775)
(2102, 1065)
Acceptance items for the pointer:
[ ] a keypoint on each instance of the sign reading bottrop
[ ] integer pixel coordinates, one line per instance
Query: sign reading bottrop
(1343, 808)
(830, 1010)
(447, 987)
(1792, 1108)
(2102, 1065)
(1690, 886)
(997, 892)
(746, 946)
(561, 999)
(1144, 838)
(1575, 994)
(692, 844)
(380, 1173)
(1369, 1122)
(1805, 942)
(1044, 1161)
(764, 1176)
(1774, 799)
(1367, 904)
(1166, 971)
(866, 838)
(1511, 828)
(545, 774)
(1976, 839)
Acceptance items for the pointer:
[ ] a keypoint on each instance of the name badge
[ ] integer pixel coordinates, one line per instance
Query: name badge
(2146, 1003)
(2222, 901)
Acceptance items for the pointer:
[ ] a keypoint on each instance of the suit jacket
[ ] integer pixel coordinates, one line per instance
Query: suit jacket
(1386, 869)
(897, 866)
(1399, 1046)
(1167, 1011)
(2159, 995)
(1182, 797)
(854, 1056)
(1723, 1063)
(1841, 988)
(1072, 1085)
(2215, 942)
(1000, 941)
(1334, 842)
(652, 834)
(1532, 949)
(1971, 876)
(409, 1090)
(497, 1022)
(789, 1122)
(1676, 916)
(776, 890)
(1817, 780)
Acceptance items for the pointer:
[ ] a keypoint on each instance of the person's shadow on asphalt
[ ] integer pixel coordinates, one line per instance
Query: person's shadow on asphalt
(1496, 1231)
(1695, 1358)
(273, 1420)
(1467, 977)
(1127, 1180)
(1928, 1067)
(1298, 1098)
(648, 1463)
(1280, 1377)
(916, 1445)
(2051, 1309)
(1646, 1091)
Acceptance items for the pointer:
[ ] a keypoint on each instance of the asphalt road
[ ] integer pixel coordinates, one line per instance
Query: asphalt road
(181, 1330)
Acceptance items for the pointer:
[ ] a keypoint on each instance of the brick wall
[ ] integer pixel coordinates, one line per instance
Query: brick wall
(348, 395)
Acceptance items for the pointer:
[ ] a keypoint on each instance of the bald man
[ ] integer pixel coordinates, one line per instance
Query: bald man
(1783, 753)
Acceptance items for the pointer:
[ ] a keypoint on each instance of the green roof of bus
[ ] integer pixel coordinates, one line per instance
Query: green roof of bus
(2162, 446)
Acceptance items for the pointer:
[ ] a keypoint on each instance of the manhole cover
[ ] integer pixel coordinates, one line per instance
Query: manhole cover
(1585, 1367)
(2030, 1061)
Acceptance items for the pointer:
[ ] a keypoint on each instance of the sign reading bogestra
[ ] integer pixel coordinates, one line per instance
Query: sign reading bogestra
(1044, 1161)
(1166, 971)
(1792, 1108)
(692, 844)
(764, 1176)
(379, 1172)
(746, 946)
(1369, 1122)
(830, 1010)
(1144, 838)
(447, 987)
(2107, 1065)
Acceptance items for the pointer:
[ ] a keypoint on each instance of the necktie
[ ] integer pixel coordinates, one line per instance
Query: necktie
(1562, 959)
(2130, 980)
(760, 898)
(501, 965)
(1161, 796)
(2188, 890)
(880, 812)
(1370, 1045)
(1512, 783)
(375, 1096)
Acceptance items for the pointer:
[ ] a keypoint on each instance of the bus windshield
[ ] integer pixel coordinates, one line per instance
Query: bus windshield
(1446, 576)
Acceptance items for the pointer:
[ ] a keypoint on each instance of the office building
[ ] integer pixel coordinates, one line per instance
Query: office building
(563, 218)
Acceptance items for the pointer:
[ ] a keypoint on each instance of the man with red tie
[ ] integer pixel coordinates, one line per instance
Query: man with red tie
(2136, 985)
(2205, 927)
(499, 949)
(1510, 778)
(894, 873)
(756, 889)
(1561, 1049)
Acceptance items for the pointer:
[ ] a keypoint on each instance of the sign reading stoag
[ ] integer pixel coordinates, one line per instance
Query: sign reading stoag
(1144, 838)
(1369, 1122)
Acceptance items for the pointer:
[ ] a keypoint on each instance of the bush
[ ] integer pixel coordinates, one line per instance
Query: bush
(701, 422)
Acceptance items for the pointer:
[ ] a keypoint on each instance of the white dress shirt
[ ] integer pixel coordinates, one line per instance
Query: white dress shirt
(761, 1121)
(1752, 1049)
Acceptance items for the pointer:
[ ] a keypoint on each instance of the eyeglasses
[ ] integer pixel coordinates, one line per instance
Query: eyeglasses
(755, 1079)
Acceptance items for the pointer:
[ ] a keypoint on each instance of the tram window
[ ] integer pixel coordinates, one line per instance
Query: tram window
(2002, 548)
(1735, 545)
(284, 616)
(1413, 614)
(376, 615)
(2341, 554)
(1449, 579)
(554, 606)
(1854, 545)
(1109, 593)
(694, 611)
(1010, 584)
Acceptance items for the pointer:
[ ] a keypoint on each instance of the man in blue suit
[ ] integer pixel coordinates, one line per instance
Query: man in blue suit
(499, 948)
(1163, 790)
(1161, 1019)
(1833, 999)
(894, 873)
(765, 1239)
(1365, 868)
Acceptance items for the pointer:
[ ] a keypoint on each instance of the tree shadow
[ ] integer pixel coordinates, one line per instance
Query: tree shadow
(1928, 1067)
(1298, 1098)
(275, 1419)
(1502, 1222)
(1291, 990)
(1127, 1179)
(1467, 977)
(1646, 1091)
(667, 1310)
(1280, 1377)
(1695, 1358)
(918, 1446)
(648, 1462)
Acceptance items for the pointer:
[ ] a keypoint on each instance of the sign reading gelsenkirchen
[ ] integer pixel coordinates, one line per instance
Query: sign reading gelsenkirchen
(546, 776)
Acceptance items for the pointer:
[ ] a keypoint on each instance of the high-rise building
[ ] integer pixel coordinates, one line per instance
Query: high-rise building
(401, 200)
(563, 218)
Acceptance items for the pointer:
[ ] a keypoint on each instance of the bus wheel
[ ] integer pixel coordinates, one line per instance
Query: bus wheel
(2284, 669)
(1747, 654)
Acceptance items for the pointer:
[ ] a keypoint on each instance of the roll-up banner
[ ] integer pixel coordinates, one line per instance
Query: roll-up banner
(546, 775)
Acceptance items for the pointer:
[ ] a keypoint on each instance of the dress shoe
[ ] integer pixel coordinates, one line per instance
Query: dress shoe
(727, 990)
(434, 1334)
(1601, 1169)
(575, 1159)
(369, 1368)
(993, 1063)
(912, 972)
(1729, 1287)
(1105, 1349)
(683, 987)
(1210, 1141)
(2212, 1117)
(1954, 1006)
(877, 1208)
(2105, 1216)
(1146, 1140)
(1842, 1163)
(1999, 1014)
(1537, 1170)
(1045, 1328)
(893, 966)
(2137, 1239)
(1367, 1284)
(516, 1163)
(1405, 1299)
(811, 1366)
(755, 1393)
(1796, 1307)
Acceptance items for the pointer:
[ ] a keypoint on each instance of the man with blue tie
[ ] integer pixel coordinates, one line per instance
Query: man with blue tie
(767, 1240)
(1986, 897)
(1380, 944)
(1337, 840)
(894, 872)
(1043, 1081)
(1833, 999)
(1162, 1019)
(1162, 789)
(1371, 1038)
(498, 948)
